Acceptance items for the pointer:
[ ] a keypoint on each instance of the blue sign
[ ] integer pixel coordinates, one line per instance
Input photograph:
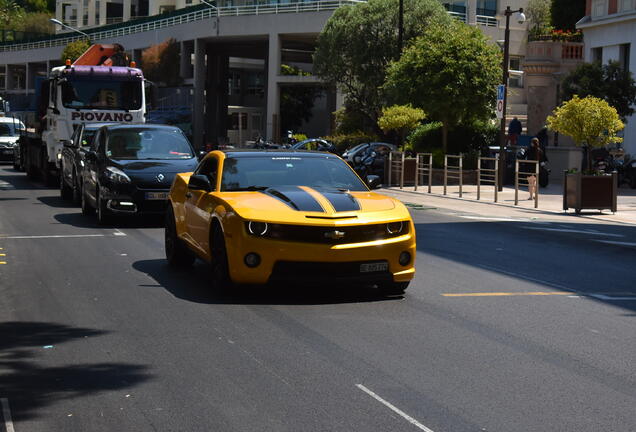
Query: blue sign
(501, 89)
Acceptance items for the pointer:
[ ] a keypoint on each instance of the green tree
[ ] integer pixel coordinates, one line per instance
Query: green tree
(609, 82)
(35, 22)
(75, 49)
(33, 5)
(590, 121)
(296, 102)
(160, 62)
(450, 73)
(565, 13)
(401, 119)
(358, 43)
(538, 12)
(10, 12)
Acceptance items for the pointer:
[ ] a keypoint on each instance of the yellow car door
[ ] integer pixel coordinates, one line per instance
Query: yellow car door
(198, 205)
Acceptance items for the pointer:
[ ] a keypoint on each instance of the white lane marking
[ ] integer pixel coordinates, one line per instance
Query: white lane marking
(53, 236)
(118, 233)
(394, 409)
(618, 243)
(570, 230)
(6, 413)
(503, 219)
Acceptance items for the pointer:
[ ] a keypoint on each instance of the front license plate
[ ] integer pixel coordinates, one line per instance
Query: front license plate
(156, 195)
(374, 267)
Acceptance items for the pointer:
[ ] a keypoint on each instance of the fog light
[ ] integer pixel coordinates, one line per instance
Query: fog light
(405, 258)
(252, 259)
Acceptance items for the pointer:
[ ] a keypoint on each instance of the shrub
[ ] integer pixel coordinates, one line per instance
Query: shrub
(75, 49)
(345, 141)
(160, 62)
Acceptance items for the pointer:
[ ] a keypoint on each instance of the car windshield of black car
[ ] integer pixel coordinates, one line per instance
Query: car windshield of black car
(143, 143)
(242, 173)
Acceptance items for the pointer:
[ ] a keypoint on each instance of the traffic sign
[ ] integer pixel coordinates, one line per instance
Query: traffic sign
(501, 92)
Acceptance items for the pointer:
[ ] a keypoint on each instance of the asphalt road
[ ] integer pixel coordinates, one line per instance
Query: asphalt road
(97, 333)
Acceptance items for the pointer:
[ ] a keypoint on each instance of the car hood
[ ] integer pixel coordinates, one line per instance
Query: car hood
(172, 166)
(8, 139)
(305, 205)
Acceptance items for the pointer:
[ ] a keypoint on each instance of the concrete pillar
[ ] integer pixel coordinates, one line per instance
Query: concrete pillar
(59, 11)
(27, 78)
(216, 97)
(80, 13)
(185, 59)
(471, 12)
(272, 112)
(198, 109)
(126, 13)
(91, 13)
(102, 12)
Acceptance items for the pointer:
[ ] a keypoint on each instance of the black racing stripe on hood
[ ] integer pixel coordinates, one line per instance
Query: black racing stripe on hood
(341, 201)
(295, 198)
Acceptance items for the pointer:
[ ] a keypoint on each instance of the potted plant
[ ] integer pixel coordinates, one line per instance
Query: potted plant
(592, 123)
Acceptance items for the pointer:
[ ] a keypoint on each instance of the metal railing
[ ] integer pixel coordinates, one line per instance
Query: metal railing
(487, 175)
(423, 167)
(182, 18)
(488, 21)
(396, 164)
(459, 16)
(455, 171)
(525, 179)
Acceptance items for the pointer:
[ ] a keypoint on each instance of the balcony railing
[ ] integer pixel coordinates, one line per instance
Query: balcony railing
(458, 16)
(182, 16)
(487, 20)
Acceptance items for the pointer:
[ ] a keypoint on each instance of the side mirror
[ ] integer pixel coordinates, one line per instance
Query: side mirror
(373, 181)
(199, 182)
(67, 143)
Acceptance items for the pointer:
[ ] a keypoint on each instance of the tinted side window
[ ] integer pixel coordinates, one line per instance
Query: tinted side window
(209, 168)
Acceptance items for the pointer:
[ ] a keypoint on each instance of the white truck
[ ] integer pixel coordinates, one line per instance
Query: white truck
(95, 88)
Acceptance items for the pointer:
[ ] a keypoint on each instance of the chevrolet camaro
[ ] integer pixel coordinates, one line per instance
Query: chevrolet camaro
(269, 216)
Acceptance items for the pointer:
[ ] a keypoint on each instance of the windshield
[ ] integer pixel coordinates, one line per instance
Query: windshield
(87, 93)
(11, 129)
(144, 143)
(87, 137)
(250, 173)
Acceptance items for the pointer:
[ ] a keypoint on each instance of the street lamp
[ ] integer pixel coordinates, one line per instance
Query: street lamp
(60, 23)
(502, 133)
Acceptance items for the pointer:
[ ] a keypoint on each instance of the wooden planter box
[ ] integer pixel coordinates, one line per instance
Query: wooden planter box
(596, 192)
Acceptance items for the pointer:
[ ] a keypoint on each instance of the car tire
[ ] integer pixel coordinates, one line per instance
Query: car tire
(76, 190)
(177, 253)
(16, 163)
(393, 288)
(104, 216)
(87, 210)
(220, 264)
(65, 191)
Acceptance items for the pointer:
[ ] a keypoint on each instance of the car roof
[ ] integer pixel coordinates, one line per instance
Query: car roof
(113, 126)
(240, 153)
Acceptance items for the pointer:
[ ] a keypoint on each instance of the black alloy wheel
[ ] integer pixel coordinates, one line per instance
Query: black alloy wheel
(65, 191)
(104, 216)
(177, 253)
(87, 210)
(393, 288)
(220, 264)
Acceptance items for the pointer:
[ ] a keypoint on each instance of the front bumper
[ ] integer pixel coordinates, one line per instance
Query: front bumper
(319, 263)
(6, 153)
(129, 199)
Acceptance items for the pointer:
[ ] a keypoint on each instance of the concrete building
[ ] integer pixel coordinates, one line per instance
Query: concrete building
(231, 55)
(609, 30)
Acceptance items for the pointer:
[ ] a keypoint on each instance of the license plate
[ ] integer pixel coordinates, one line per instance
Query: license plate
(156, 195)
(374, 267)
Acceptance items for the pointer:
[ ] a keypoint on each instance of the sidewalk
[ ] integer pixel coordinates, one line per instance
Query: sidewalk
(550, 203)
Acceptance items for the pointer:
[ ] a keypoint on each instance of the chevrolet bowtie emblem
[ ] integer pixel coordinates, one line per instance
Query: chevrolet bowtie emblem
(334, 235)
(160, 177)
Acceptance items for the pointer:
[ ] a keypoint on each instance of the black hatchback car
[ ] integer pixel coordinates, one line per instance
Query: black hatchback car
(130, 168)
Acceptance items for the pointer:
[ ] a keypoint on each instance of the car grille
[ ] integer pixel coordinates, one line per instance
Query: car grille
(320, 271)
(332, 235)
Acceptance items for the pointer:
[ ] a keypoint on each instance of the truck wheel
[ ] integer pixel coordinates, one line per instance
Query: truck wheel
(177, 253)
(65, 192)
(393, 288)
(87, 210)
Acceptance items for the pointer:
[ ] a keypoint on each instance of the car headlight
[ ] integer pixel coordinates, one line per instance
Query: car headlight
(395, 228)
(11, 144)
(258, 229)
(117, 175)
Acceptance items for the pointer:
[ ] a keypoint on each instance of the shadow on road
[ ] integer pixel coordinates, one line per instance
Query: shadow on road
(196, 285)
(78, 220)
(30, 387)
(56, 201)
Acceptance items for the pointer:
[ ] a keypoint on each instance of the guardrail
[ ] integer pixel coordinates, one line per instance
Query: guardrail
(455, 172)
(424, 166)
(524, 180)
(487, 175)
(396, 165)
(182, 18)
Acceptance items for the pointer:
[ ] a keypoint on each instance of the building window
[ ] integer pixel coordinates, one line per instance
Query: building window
(623, 56)
(487, 7)
(255, 84)
(625, 5)
(597, 54)
(457, 6)
(599, 8)
(234, 84)
(515, 80)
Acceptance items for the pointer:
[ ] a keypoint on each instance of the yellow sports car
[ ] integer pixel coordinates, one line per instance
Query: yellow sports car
(266, 216)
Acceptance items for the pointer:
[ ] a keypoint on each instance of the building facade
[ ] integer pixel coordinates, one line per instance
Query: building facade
(609, 30)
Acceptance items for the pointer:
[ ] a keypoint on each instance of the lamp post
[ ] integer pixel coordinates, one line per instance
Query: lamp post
(60, 23)
(502, 132)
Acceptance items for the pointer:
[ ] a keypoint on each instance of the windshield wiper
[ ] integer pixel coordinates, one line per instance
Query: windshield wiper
(248, 188)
